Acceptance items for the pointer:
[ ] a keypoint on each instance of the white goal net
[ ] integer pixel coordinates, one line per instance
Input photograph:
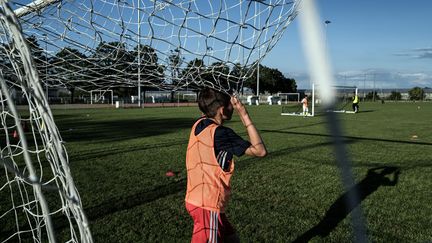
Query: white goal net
(103, 45)
(37, 191)
(170, 44)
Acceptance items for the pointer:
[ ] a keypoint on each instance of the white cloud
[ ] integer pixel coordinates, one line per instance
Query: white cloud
(420, 53)
(370, 78)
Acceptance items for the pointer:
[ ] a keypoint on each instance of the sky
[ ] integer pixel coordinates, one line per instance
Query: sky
(371, 43)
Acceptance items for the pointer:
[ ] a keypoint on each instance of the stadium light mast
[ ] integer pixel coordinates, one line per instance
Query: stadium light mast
(210, 50)
(364, 87)
(259, 56)
(46, 66)
(373, 92)
(242, 27)
(326, 23)
(139, 55)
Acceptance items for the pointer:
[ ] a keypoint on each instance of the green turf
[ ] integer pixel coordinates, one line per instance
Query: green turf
(119, 158)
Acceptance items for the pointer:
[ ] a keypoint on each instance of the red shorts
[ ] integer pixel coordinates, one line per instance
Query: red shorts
(209, 226)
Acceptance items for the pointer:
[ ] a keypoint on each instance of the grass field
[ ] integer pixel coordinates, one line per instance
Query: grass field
(119, 159)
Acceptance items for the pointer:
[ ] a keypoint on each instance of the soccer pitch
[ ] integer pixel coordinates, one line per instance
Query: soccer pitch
(119, 158)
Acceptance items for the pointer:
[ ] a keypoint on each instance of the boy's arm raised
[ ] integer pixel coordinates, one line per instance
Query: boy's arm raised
(257, 148)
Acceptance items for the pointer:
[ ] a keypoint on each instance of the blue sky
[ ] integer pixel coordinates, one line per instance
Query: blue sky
(386, 42)
(383, 42)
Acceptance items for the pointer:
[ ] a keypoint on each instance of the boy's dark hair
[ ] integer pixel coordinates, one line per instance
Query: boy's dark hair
(209, 100)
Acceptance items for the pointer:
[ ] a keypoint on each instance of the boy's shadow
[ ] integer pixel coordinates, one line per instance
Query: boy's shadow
(375, 178)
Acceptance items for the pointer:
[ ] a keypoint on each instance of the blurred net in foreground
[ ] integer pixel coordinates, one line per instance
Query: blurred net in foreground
(37, 190)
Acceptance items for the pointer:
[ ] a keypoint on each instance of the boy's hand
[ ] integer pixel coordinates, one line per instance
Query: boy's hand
(238, 106)
(257, 148)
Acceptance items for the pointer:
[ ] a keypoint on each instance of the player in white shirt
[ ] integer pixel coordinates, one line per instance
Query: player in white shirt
(304, 101)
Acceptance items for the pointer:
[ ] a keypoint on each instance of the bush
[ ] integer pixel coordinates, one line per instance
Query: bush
(416, 93)
(395, 96)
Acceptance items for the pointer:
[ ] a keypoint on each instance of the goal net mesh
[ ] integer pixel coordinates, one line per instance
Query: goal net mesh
(36, 189)
(166, 44)
(103, 45)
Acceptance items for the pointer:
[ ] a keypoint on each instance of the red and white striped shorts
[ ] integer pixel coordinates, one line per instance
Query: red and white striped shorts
(209, 226)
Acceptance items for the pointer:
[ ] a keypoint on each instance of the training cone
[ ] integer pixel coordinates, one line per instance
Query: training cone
(169, 173)
(15, 134)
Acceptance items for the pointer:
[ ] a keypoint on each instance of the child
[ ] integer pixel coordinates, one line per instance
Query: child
(210, 164)
(305, 105)
(355, 102)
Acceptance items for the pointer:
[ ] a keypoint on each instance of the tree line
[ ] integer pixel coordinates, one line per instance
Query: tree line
(111, 65)
(416, 93)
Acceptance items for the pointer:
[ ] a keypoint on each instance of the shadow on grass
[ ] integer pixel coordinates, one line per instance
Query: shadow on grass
(103, 152)
(124, 203)
(115, 205)
(349, 137)
(118, 130)
(284, 152)
(365, 111)
(339, 210)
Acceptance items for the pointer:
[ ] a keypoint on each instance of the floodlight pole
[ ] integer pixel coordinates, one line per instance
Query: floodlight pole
(373, 92)
(258, 74)
(210, 50)
(242, 48)
(46, 65)
(259, 56)
(364, 87)
(139, 55)
(326, 23)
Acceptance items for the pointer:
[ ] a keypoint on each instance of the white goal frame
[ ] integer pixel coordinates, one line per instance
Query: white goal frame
(317, 101)
(101, 93)
(195, 96)
(288, 95)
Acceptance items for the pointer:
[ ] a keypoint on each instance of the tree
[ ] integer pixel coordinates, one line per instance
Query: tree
(110, 61)
(416, 93)
(69, 67)
(218, 74)
(395, 95)
(6, 65)
(150, 71)
(370, 96)
(39, 57)
(272, 81)
(194, 73)
(175, 60)
(237, 75)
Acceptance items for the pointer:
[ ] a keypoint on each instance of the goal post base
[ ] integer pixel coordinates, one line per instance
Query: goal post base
(295, 114)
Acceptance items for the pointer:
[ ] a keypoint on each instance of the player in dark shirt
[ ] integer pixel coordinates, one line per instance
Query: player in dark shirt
(227, 143)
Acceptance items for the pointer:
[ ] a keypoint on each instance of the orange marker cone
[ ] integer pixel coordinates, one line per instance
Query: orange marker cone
(15, 134)
(169, 173)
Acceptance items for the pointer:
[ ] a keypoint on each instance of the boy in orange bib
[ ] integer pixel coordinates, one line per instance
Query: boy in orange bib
(210, 164)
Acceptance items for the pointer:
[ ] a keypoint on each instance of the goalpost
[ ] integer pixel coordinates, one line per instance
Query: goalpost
(190, 97)
(342, 96)
(342, 99)
(98, 96)
(289, 97)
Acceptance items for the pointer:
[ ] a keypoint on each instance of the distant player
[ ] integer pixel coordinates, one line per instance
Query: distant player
(210, 164)
(355, 103)
(304, 101)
